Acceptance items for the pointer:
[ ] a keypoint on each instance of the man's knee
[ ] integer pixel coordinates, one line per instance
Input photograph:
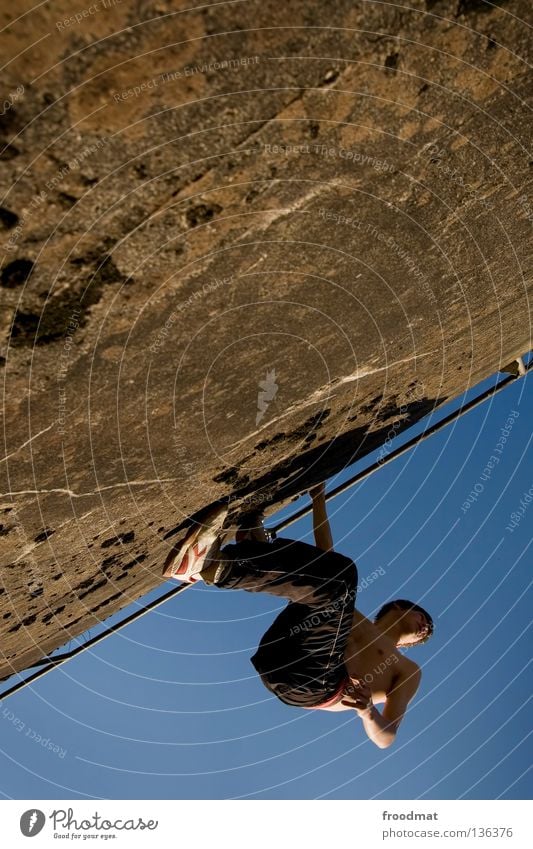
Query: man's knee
(345, 571)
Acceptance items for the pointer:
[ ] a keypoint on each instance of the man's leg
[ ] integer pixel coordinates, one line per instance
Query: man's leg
(300, 658)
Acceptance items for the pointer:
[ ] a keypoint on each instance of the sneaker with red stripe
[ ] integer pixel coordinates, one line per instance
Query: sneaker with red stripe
(191, 564)
(187, 562)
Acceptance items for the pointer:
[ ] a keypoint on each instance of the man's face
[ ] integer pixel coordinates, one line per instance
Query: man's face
(415, 627)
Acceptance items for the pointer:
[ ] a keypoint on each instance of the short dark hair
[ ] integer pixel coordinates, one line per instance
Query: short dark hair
(403, 604)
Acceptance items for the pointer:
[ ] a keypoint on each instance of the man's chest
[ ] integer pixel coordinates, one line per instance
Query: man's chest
(372, 659)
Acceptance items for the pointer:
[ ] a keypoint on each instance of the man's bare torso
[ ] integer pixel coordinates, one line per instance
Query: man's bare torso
(378, 663)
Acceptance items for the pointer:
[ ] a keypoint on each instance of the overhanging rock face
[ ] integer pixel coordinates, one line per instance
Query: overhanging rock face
(240, 244)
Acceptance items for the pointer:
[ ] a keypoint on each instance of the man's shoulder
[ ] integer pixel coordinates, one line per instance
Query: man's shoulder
(359, 618)
(405, 682)
(411, 673)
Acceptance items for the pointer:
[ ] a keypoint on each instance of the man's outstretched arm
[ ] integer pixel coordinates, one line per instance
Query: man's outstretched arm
(321, 528)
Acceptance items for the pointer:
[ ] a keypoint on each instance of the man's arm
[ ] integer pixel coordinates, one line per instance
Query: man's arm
(321, 528)
(381, 728)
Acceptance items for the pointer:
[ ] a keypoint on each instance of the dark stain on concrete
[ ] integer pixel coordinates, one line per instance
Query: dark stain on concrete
(201, 214)
(8, 219)
(44, 534)
(473, 7)
(8, 151)
(16, 273)
(391, 62)
(119, 539)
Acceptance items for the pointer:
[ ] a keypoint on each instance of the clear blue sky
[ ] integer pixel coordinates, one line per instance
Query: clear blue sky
(172, 707)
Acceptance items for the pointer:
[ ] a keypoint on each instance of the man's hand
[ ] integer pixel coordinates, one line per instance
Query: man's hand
(318, 491)
(381, 728)
(358, 696)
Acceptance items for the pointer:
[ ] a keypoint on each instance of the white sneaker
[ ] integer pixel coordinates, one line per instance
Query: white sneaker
(186, 564)
(188, 569)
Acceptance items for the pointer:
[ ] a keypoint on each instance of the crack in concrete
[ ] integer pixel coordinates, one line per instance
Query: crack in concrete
(12, 454)
(270, 216)
(73, 494)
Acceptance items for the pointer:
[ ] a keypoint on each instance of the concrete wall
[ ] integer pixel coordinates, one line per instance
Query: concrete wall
(240, 244)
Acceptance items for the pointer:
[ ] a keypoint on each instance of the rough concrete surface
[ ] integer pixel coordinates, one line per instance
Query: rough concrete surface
(239, 243)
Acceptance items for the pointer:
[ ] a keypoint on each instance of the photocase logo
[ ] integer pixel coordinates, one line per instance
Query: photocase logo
(32, 822)
(268, 390)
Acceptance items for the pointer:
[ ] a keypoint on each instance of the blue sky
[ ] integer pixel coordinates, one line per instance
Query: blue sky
(171, 707)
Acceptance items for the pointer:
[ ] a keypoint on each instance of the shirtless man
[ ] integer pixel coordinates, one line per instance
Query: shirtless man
(320, 652)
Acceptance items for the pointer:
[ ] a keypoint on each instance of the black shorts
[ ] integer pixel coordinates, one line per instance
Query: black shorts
(300, 657)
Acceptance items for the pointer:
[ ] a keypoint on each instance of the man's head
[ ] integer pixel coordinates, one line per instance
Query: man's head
(416, 625)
